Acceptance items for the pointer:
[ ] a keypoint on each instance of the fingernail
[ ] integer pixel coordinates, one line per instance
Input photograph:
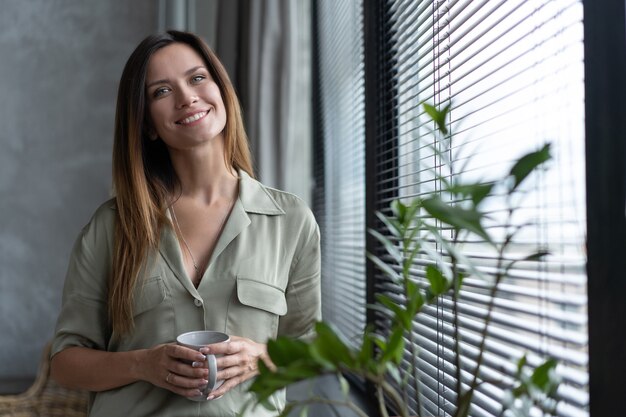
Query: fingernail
(205, 350)
(203, 384)
(197, 393)
(210, 397)
(197, 364)
(201, 357)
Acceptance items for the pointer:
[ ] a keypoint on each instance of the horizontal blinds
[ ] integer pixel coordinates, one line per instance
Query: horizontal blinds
(340, 126)
(513, 71)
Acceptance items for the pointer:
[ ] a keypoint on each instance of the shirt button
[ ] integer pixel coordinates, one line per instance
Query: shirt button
(197, 302)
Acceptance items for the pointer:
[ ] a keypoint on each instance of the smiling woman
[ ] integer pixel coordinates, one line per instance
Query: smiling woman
(176, 250)
(181, 97)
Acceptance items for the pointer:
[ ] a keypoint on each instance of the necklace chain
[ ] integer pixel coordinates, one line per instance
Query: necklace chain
(180, 231)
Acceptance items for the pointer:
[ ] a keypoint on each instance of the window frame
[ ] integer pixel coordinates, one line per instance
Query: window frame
(605, 124)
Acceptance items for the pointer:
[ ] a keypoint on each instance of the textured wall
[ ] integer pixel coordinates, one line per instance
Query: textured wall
(60, 61)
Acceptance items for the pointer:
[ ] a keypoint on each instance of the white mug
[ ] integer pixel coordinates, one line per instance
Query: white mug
(197, 340)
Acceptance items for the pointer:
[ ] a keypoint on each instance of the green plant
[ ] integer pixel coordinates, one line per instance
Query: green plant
(446, 217)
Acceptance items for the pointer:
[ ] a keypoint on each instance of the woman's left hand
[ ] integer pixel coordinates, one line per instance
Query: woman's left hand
(239, 363)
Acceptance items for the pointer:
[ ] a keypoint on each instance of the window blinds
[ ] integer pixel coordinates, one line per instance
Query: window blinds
(340, 165)
(513, 71)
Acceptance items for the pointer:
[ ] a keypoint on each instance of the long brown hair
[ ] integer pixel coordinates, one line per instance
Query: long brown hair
(143, 176)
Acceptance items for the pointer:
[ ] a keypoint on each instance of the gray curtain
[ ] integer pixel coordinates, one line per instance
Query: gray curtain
(266, 47)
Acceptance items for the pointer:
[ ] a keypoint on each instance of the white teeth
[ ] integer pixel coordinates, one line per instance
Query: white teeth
(193, 118)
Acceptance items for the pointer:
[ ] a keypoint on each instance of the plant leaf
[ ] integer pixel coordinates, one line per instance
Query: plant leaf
(287, 410)
(366, 353)
(416, 248)
(390, 247)
(541, 376)
(328, 348)
(459, 283)
(457, 217)
(413, 208)
(439, 117)
(400, 314)
(519, 391)
(415, 299)
(399, 210)
(527, 164)
(477, 192)
(452, 251)
(327, 335)
(382, 345)
(537, 256)
(434, 253)
(268, 382)
(395, 277)
(438, 283)
(520, 365)
(394, 372)
(343, 383)
(268, 405)
(394, 348)
(283, 351)
(392, 224)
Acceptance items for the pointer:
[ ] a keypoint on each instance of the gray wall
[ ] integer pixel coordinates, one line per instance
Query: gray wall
(60, 62)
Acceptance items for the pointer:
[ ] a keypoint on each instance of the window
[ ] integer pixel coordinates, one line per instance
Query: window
(339, 195)
(513, 71)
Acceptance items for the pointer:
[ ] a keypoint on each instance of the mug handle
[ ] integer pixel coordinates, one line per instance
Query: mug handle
(212, 365)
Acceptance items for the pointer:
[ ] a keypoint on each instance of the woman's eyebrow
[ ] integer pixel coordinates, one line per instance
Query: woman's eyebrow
(165, 80)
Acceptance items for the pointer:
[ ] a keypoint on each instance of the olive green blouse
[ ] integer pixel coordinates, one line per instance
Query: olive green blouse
(263, 280)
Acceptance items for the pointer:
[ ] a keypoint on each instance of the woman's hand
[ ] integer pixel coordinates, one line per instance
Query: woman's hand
(163, 366)
(239, 363)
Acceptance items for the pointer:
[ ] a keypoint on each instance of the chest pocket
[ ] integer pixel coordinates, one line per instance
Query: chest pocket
(153, 316)
(148, 295)
(255, 309)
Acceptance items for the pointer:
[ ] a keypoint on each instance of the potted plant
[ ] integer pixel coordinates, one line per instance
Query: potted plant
(411, 229)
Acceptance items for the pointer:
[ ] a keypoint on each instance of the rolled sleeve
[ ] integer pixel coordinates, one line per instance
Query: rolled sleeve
(303, 292)
(83, 317)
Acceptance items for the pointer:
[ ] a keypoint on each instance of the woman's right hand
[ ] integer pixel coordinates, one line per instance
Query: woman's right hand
(165, 366)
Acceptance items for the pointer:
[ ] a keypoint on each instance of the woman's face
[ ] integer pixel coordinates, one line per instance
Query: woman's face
(185, 104)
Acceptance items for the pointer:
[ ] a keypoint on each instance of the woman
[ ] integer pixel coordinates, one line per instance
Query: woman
(190, 242)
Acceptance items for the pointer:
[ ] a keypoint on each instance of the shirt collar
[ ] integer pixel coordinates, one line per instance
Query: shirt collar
(256, 198)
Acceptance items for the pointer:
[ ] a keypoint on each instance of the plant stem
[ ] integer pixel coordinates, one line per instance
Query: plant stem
(381, 401)
(389, 390)
(416, 383)
(384, 387)
(455, 314)
(491, 303)
(406, 249)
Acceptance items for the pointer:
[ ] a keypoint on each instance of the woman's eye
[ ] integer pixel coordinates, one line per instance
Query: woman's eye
(160, 91)
(197, 78)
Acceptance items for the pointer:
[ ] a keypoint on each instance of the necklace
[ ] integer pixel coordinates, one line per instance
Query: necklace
(180, 231)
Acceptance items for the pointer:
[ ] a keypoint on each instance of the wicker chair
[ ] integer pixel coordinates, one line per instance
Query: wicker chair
(45, 398)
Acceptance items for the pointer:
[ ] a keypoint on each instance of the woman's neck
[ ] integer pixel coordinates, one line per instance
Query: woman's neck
(204, 175)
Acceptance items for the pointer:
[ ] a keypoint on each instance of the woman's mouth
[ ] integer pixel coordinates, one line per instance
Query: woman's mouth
(193, 118)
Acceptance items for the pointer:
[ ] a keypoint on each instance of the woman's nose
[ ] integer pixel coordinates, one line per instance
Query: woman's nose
(185, 98)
